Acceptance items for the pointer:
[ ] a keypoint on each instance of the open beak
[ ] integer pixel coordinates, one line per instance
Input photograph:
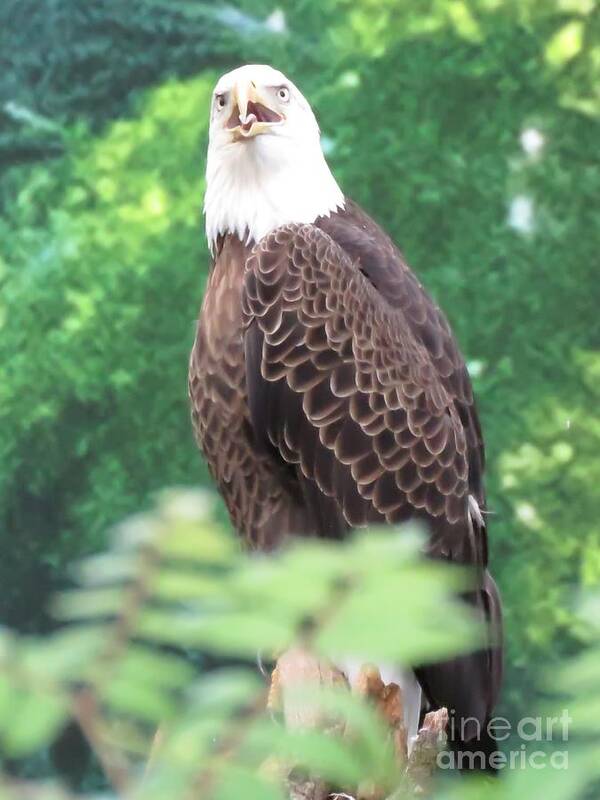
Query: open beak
(251, 115)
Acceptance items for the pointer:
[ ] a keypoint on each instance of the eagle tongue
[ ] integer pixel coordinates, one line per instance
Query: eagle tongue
(248, 122)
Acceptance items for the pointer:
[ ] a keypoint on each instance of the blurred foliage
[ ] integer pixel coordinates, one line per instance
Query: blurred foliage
(161, 725)
(469, 129)
(101, 291)
(175, 580)
(66, 59)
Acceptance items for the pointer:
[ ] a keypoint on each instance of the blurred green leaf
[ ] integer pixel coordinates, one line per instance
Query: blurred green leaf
(34, 719)
(565, 44)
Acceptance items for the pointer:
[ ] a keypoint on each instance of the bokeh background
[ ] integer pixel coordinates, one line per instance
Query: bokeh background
(469, 128)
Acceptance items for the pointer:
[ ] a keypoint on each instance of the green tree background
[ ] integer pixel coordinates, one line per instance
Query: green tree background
(468, 128)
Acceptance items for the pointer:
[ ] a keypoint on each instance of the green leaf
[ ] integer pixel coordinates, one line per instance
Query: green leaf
(565, 44)
(235, 782)
(88, 604)
(65, 655)
(184, 585)
(321, 754)
(224, 691)
(128, 696)
(405, 617)
(144, 664)
(34, 721)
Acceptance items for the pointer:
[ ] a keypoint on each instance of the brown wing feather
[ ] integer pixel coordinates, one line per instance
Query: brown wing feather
(344, 388)
(379, 259)
(346, 392)
(257, 497)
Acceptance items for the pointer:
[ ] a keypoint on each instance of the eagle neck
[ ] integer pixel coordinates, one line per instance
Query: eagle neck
(251, 190)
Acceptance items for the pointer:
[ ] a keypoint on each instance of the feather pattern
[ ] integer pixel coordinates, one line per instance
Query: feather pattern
(256, 495)
(362, 391)
(328, 393)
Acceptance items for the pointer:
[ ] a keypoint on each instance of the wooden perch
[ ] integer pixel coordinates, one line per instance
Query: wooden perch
(431, 739)
(299, 667)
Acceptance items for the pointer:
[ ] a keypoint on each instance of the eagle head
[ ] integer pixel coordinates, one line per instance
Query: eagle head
(265, 166)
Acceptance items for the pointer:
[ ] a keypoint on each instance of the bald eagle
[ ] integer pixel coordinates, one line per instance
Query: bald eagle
(327, 389)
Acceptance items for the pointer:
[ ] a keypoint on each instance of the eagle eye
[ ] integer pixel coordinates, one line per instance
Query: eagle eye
(283, 93)
(220, 101)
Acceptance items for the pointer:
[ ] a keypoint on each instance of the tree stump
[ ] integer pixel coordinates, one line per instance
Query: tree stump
(299, 667)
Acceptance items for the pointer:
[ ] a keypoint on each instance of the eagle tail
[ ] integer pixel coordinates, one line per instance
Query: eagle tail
(468, 686)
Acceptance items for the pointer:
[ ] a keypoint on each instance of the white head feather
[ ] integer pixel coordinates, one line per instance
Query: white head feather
(263, 174)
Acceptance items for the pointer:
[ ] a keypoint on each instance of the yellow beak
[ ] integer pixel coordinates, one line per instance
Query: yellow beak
(251, 113)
